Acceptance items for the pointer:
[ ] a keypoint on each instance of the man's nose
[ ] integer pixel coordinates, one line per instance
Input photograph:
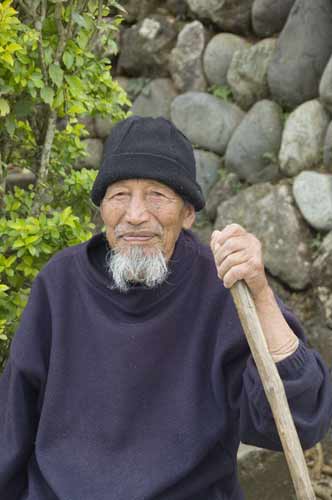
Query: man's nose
(136, 210)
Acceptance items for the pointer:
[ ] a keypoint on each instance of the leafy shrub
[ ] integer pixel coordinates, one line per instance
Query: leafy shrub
(52, 66)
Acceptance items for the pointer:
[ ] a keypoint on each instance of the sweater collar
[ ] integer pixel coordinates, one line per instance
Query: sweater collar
(139, 300)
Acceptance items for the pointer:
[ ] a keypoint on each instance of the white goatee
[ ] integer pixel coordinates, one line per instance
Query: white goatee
(134, 265)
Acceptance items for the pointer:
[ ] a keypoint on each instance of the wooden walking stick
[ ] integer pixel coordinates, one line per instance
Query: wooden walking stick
(274, 391)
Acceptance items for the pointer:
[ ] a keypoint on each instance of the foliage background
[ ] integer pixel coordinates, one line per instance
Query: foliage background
(52, 67)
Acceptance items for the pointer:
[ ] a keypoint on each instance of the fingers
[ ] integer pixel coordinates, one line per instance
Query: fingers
(230, 230)
(238, 255)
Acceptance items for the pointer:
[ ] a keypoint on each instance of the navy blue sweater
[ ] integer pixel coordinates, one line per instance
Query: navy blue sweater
(144, 395)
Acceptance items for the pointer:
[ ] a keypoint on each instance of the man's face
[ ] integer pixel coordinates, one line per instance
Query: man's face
(146, 213)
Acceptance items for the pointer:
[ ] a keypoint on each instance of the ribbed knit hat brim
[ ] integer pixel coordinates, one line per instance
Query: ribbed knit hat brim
(149, 148)
(141, 166)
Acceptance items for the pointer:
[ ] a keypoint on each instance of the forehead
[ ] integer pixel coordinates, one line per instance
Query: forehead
(143, 184)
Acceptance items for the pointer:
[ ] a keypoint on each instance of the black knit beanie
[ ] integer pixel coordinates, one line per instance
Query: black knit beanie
(149, 148)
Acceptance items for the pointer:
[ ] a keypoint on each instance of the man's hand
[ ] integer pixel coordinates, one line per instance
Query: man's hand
(238, 256)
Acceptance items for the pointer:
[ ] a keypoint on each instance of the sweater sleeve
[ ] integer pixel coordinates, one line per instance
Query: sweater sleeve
(308, 390)
(21, 390)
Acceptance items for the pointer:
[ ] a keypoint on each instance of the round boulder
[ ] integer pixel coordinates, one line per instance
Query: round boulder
(322, 266)
(103, 125)
(21, 178)
(325, 87)
(226, 187)
(322, 276)
(328, 148)
(155, 99)
(268, 212)
(303, 50)
(247, 74)
(207, 166)
(252, 152)
(94, 150)
(313, 194)
(139, 9)
(145, 47)
(185, 64)
(270, 16)
(207, 121)
(303, 138)
(228, 15)
(218, 56)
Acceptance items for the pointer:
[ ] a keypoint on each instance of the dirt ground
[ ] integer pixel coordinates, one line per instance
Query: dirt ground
(264, 475)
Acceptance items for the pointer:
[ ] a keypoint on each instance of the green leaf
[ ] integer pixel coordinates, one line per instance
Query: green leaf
(56, 74)
(59, 99)
(10, 125)
(78, 19)
(4, 107)
(37, 80)
(75, 84)
(31, 239)
(77, 108)
(47, 94)
(23, 107)
(68, 59)
(8, 58)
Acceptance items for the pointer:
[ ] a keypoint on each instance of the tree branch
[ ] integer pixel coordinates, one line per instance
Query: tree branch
(47, 146)
(24, 7)
(61, 32)
(39, 26)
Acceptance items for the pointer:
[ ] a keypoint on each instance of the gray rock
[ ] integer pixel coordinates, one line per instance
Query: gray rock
(155, 99)
(21, 178)
(89, 124)
(322, 265)
(132, 86)
(325, 87)
(324, 294)
(177, 8)
(303, 303)
(103, 126)
(320, 336)
(203, 230)
(303, 50)
(268, 212)
(252, 152)
(247, 74)
(139, 9)
(218, 56)
(207, 166)
(207, 121)
(94, 149)
(328, 148)
(145, 47)
(185, 64)
(303, 138)
(229, 15)
(226, 187)
(270, 16)
(313, 194)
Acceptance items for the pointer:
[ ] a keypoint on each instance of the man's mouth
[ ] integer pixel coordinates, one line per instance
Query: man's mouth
(138, 237)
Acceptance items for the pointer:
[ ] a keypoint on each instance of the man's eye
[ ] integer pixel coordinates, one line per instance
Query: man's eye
(119, 195)
(157, 193)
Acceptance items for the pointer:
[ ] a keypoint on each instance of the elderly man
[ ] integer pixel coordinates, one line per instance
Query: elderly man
(129, 377)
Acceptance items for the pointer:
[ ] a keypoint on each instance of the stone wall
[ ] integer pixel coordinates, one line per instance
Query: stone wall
(250, 84)
(263, 147)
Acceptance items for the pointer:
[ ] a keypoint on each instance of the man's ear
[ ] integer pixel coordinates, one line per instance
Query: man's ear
(189, 216)
(101, 211)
